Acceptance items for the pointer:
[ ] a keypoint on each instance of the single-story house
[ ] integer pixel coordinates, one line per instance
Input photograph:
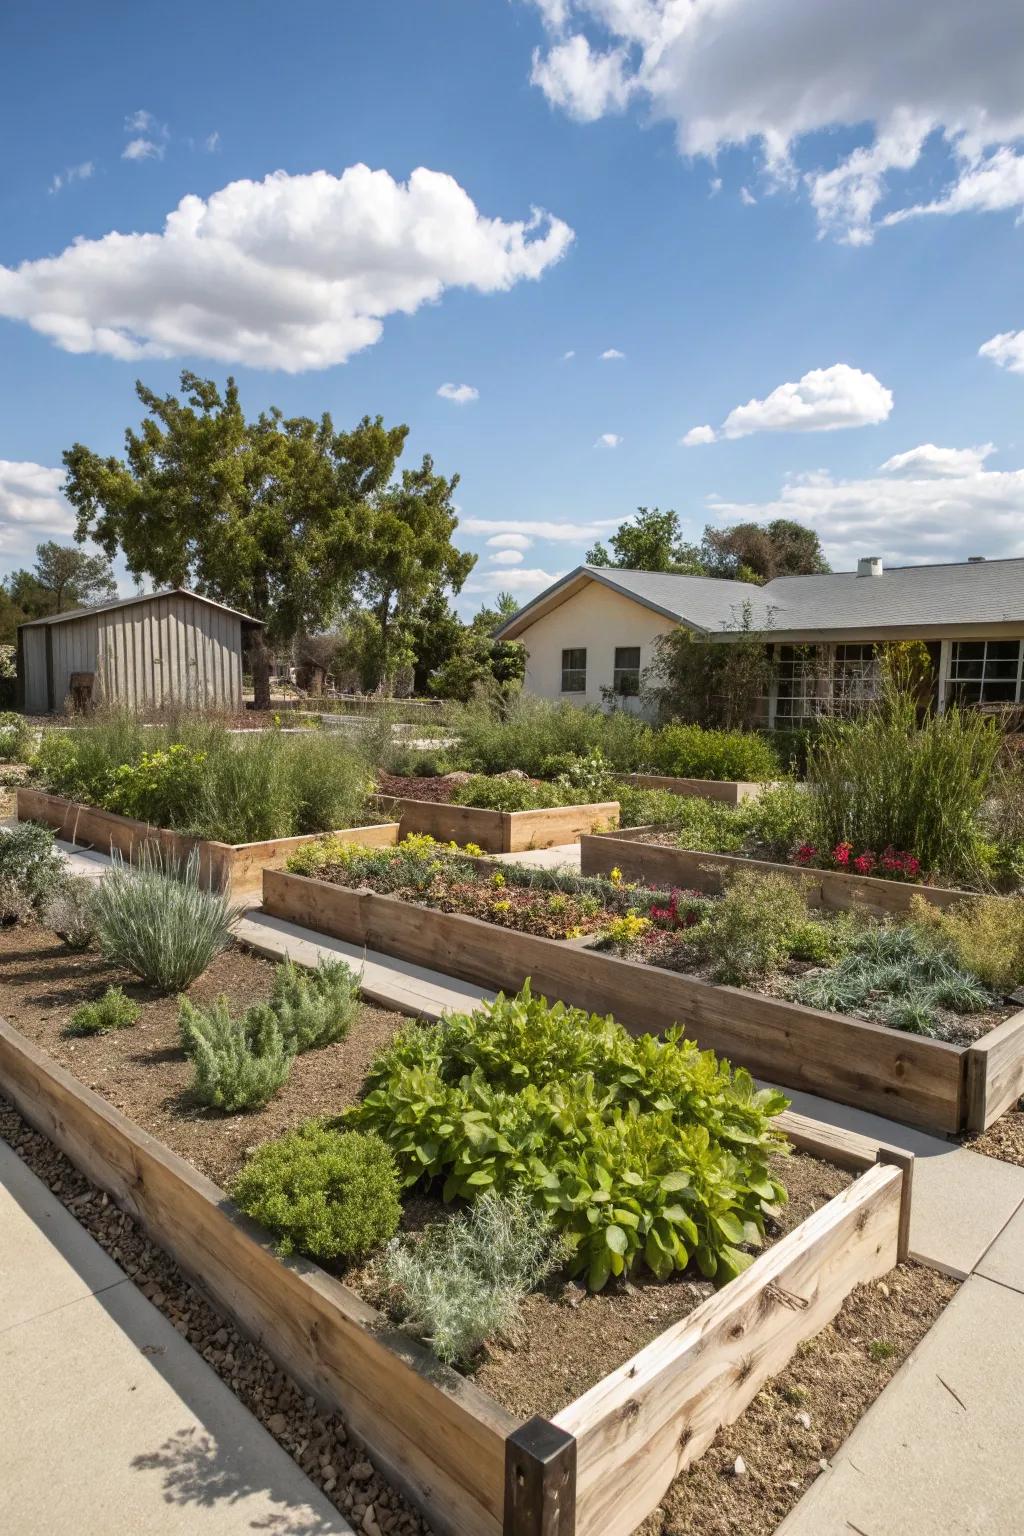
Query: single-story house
(172, 647)
(590, 636)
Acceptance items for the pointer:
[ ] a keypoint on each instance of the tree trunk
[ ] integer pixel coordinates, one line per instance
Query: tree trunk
(260, 658)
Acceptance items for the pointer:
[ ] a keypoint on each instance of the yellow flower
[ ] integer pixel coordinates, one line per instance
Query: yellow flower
(502, 906)
(497, 878)
(616, 876)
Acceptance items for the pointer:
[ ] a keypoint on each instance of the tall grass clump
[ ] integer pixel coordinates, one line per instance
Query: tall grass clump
(901, 777)
(158, 919)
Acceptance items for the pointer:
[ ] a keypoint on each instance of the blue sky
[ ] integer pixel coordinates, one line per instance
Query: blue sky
(726, 196)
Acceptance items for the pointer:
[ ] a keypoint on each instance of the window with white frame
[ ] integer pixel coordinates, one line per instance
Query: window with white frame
(574, 670)
(854, 677)
(796, 696)
(986, 671)
(626, 679)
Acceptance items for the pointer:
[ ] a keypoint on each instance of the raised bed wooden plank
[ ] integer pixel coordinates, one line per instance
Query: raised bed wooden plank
(439, 1437)
(235, 866)
(502, 831)
(653, 1417)
(659, 865)
(728, 791)
(905, 1077)
(995, 1073)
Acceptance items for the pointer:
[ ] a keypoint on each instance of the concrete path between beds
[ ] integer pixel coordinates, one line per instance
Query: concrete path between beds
(110, 1423)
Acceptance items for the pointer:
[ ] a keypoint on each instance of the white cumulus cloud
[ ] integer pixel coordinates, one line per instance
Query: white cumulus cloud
(506, 557)
(508, 541)
(460, 393)
(773, 73)
(608, 440)
(32, 507)
(142, 149)
(292, 272)
(1006, 349)
(938, 463)
(611, 355)
(824, 400)
(529, 580)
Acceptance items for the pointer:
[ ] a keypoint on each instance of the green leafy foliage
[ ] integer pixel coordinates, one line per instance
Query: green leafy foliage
(507, 794)
(690, 752)
(641, 1150)
(529, 733)
(327, 1193)
(30, 865)
(158, 919)
(114, 1010)
(462, 1281)
(15, 738)
(314, 1008)
(238, 1063)
(755, 927)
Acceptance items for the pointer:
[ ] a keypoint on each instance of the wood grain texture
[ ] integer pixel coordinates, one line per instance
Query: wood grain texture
(995, 1073)
(653, 1417)
(657, 864)
(906, 1077)
(237, 867)
(502, 831)
(727, 791)
(440, 1437)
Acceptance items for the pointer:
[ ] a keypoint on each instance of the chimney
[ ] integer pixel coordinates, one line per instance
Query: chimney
(870, 565)
(975, 559)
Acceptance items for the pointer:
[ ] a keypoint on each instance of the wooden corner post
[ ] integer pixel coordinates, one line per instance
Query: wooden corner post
(540, 1481)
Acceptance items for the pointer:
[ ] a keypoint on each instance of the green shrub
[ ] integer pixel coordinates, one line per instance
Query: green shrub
(237, 1063)
(507, 794)
(314, 1008)
(462, 1282)
(69, 912)
(327, 1193)
(754, 927)
(29, 862)
(641, 1150)
(162, 788)
(985, 934)
(531, 732)
(890, 779)
(15, 738)
(705, 825)
(690, 752)
(114, 1010)
(778, 821)
(157, 919)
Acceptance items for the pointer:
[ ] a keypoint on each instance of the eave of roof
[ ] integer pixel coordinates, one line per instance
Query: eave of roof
(145, 597)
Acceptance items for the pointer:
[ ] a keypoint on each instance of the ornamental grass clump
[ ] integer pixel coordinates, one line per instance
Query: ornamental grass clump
(328, 1193)
(642, 1151)
(158, 919)
(899, 777)
(238, 1063)
(462, 1282)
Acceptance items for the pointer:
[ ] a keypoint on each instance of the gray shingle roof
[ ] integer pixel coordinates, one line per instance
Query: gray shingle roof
(982, 592)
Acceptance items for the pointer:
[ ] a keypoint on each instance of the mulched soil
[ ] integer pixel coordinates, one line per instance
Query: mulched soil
(143, 1071)
(318, 1442)
(1003, 1140)
(800, 1418)
(439, 788)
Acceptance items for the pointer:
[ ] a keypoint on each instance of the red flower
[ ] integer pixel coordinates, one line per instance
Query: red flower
(841, 853)
(805, 853)
(864, 863)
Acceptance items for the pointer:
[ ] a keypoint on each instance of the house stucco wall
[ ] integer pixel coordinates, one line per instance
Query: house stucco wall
(597, 620)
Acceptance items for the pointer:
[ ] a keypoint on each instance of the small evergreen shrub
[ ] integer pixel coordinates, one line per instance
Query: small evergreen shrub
(327, 1193)
(754, 927)
(114, 1010)
(69, 912)
(15, 738)
(29, 863)
(462, 1282)
(158, 919)
(314, 1008)
(690, 752)
(237, 1063)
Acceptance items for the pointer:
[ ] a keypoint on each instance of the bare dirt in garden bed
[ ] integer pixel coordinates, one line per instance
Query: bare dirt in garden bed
(143, 1071)
(800, 1418)
(438, 788)
(1003, 1140)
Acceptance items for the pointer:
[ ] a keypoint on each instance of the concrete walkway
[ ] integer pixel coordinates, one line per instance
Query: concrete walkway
(110, 1423)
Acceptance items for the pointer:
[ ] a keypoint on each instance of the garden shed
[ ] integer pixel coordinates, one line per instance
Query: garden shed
(172, 647)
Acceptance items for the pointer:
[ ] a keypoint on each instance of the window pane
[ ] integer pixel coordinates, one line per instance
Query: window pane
(1001, 668)
(627, 656)
(1004, 650)
(968, 650)
(574, 658)
(999, 693)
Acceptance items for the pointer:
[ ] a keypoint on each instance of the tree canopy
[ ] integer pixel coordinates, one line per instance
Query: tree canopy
(752, 552)
(63, 577)
(653, 541)
(283, 517)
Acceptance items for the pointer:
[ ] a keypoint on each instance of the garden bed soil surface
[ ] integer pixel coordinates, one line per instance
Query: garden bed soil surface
(438, 788)
(1004, 1140)
(143, 1071)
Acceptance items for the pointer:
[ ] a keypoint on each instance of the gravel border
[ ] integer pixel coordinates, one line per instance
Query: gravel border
(319, 1442)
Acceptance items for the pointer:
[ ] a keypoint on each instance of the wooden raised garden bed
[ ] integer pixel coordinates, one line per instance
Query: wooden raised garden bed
(502, 831)
(605, 1461)
(659, 864)
(728, 791)
(237, 867)
(930, 1083)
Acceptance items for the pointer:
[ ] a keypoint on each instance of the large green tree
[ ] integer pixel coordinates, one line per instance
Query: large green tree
(653, 541)
(282, 517)
(72, 578)
(760, 552)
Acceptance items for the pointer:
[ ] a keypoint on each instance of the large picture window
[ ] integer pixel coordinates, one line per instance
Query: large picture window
(627, 670)
(797, 684)
(574, 671)
(986, 671)
(854, 677)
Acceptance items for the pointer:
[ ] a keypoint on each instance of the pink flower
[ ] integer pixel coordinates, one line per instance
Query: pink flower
(841, 853)
(864, 863)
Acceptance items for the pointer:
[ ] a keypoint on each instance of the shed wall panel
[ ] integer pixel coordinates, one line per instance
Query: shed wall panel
(34, 651)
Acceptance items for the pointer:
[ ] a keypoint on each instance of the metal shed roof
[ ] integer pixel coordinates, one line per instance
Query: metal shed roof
(147, 597)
